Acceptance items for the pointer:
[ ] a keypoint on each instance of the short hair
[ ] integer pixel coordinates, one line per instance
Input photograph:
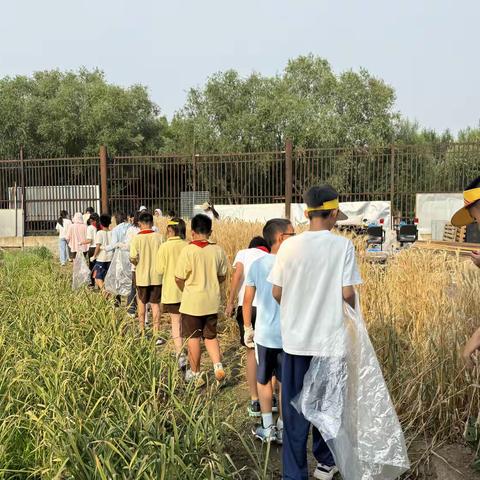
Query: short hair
(316, 196)
(132, 214)
(171, 213)
(94, 217)
(202, 224)
(105, 220)
(64, 214)
(145, 217)
(274, 226)
(120, 217)
(258, 241)
(89, 210)
(180, 230)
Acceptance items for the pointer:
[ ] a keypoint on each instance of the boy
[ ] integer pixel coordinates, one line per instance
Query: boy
(243, 260)
(143, 249)
(267, 334)
(101, 257)
(313, 274)
(201, 268)
(465, 216)
(166, 261)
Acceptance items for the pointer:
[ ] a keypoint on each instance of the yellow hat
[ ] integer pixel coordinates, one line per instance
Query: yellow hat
(463, 217)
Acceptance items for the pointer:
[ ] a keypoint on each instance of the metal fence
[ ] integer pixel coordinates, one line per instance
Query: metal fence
(43, 187)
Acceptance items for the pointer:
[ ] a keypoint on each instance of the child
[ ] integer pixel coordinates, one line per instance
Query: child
(268, 338)
(101, 256)
(166, 260)
(313, 274)
(93, 224)
(256, 249)
(76, 235)
(143, 250)
(87, 214)
(132, 231)
(201, 268)
(62, 225)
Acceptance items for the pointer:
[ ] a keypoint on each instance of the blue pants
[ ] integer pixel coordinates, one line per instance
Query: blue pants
(63, 250)
(295, 427)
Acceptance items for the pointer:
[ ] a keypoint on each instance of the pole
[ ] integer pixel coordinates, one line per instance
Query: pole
(288, 178)
(103, 178)
(392, 185)
(24, 203)
(16, 209)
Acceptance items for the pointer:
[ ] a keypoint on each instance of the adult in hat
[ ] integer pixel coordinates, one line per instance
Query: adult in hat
(470, 213)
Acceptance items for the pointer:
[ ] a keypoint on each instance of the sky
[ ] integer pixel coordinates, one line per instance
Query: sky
(426, 49)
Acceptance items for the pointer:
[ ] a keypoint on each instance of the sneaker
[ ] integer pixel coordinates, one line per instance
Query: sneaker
(182, 362)
(159, 342)
(279, 427)
(219, 372)
(266, 435)
(195, 378)
(323, 472)
(275, 404)
(254, 409)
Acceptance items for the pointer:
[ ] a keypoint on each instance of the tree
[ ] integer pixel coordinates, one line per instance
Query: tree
(55, 113)
(308, 103)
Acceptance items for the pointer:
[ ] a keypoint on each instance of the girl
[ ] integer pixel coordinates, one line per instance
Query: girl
(93, 223)
(166, 260)
(63, 223)
(77, 235)
(102, 257)
(132, 230)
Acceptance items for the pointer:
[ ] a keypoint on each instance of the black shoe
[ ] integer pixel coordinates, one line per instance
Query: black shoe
(254, 409)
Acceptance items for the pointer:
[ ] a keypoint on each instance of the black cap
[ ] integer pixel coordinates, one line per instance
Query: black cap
(316, 196)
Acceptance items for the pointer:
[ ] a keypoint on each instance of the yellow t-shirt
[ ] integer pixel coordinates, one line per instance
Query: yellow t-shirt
(145, 247)
(200, 267)
(166, 261)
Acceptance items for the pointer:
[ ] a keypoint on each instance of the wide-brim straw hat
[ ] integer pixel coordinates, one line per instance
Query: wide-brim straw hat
(462, 217)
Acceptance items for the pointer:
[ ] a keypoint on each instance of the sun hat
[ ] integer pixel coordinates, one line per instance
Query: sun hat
(462, 217)
(142, 208)
(323, 197)
(206, 206)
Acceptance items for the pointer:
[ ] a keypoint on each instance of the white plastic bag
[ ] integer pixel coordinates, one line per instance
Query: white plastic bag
(347, 399)
(118, 280)
(81, 272)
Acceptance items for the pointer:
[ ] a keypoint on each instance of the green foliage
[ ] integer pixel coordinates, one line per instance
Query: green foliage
(55, 113)
(307, 103)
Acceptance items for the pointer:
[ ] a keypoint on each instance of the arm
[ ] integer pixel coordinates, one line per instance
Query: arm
(348, 294)
(133, 253)
(234, 287)
(470, 348)
(97, 250)
(247, 316)
(277, 293)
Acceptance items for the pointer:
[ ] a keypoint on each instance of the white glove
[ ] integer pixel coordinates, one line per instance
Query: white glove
(248, 337)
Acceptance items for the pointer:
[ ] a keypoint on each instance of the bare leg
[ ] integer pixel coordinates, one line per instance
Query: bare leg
(177, 339)
(265, 395)
(141, 315)
(213, 349)
(156, 318)
(194, 352)
(252, 374)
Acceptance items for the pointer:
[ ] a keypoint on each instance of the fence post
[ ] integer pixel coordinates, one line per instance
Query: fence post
(392, 184)
(24, 202)
(104, 178)
(288, 177)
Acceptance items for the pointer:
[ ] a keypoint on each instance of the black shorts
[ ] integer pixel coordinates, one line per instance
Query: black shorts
(269, 363)
(204, 326)
(239, 317)
(149, 294)
(100, 270)
(172, 308)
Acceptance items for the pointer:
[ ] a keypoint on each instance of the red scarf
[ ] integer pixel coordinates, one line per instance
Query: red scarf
(200, 243)
(143, 232)
(263, 249)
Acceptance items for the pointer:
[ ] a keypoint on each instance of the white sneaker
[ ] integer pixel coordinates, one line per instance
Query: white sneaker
(323, 472)
(195, 378)
(266, 435)
(182, 362)
(219, 372)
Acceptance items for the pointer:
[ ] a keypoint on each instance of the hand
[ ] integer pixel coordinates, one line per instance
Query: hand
(249, 336)
(92, 259)
(229, 310)
(475, 256)
(122, 246)
(467, 356)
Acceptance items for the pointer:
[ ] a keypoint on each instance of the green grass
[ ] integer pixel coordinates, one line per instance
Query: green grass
(82, 397)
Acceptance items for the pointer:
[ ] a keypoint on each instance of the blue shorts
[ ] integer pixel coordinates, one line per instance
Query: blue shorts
(100, 270)
(269, 363)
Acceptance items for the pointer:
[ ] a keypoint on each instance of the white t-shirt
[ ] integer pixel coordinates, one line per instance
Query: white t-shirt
(246, 258)
(91, 232)
(312, 268)
(62, 229)
(103, 237)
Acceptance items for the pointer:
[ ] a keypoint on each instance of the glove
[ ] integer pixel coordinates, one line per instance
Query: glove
(248, 337)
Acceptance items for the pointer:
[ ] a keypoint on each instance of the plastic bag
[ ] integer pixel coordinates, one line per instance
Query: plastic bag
(346, 398)
(119, 276)
(81, 272)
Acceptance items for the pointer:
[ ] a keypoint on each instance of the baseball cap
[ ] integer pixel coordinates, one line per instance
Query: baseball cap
(323, 197)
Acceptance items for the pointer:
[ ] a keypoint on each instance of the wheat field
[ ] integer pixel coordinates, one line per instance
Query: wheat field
(83, 397)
